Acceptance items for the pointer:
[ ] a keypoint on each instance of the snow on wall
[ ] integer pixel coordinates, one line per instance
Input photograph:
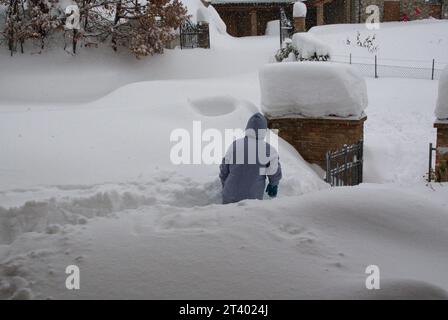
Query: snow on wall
(199, 12)
(299, 10)
(312, 89)
(442, 99)
(203, 15)
(308, 45)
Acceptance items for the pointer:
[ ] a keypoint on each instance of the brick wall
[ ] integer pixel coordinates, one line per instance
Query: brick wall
(406, 7)
(392, 11)
(204, 35)
(409, 7)
(442, 151)
(313, 138)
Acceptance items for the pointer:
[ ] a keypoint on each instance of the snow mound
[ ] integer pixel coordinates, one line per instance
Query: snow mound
(309, 46)
(442, 100)
(405, 289)
(312, 89)
(299, 10)
(215, 105)
(200, 13)
(273, 28)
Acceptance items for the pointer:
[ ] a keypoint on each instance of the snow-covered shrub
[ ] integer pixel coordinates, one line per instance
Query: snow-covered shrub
(303, 47)
(368, 42)
(312, 89)
(147, 29)
(143, 27)
(288, 53)
(442, 99)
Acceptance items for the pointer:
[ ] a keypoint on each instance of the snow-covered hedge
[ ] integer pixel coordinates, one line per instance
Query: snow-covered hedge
(309, 46)
(299, 10)
(312, 89)
(304, 47)
(442, 100)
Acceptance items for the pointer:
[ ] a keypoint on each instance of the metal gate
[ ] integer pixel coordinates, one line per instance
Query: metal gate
(286, 27)
(345, 167)
(189, 35)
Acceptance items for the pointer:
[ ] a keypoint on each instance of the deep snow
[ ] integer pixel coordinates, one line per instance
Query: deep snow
(300, 247)
(85, 179)
(412, 44)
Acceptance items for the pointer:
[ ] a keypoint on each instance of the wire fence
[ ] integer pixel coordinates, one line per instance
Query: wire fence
(377, 67)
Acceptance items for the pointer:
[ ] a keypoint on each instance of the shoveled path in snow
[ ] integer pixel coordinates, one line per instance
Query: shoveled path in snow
(313, 246)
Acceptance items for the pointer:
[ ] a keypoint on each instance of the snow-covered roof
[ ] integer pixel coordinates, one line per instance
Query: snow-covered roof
(250, 1)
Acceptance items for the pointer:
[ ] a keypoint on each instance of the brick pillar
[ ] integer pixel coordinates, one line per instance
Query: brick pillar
(442, 151)
(320, 14)
(314, 137)
(253, 23)
(204, 35)
(299, 24)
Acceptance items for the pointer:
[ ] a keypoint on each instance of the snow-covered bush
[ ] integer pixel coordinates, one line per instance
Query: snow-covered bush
(143, 27)
(309, 47)
(147, 28)
(442, 99)
(312, 89)
(303, 47)
(288, 53)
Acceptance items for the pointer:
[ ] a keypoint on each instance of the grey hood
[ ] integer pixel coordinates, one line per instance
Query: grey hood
(256, 126)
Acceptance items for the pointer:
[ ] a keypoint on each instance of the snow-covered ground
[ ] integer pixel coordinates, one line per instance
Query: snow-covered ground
(412, 44)
(86, 179)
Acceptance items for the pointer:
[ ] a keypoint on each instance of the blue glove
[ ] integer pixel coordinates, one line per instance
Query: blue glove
(272, 190)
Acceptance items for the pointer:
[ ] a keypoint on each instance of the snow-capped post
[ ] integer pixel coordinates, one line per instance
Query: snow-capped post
(203, 18)
(316, 106)
(441, 124)
(299, 15)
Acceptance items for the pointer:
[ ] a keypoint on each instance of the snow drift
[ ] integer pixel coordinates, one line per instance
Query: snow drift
(312, 89)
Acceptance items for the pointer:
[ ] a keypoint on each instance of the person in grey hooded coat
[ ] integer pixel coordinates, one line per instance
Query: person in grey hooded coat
(248, 162)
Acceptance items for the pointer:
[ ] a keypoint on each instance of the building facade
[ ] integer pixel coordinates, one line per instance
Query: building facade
(250, 17)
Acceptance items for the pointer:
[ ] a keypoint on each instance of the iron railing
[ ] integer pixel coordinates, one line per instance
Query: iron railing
(377, 67)
(345, 167)
(286, 27)
(190, 34)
